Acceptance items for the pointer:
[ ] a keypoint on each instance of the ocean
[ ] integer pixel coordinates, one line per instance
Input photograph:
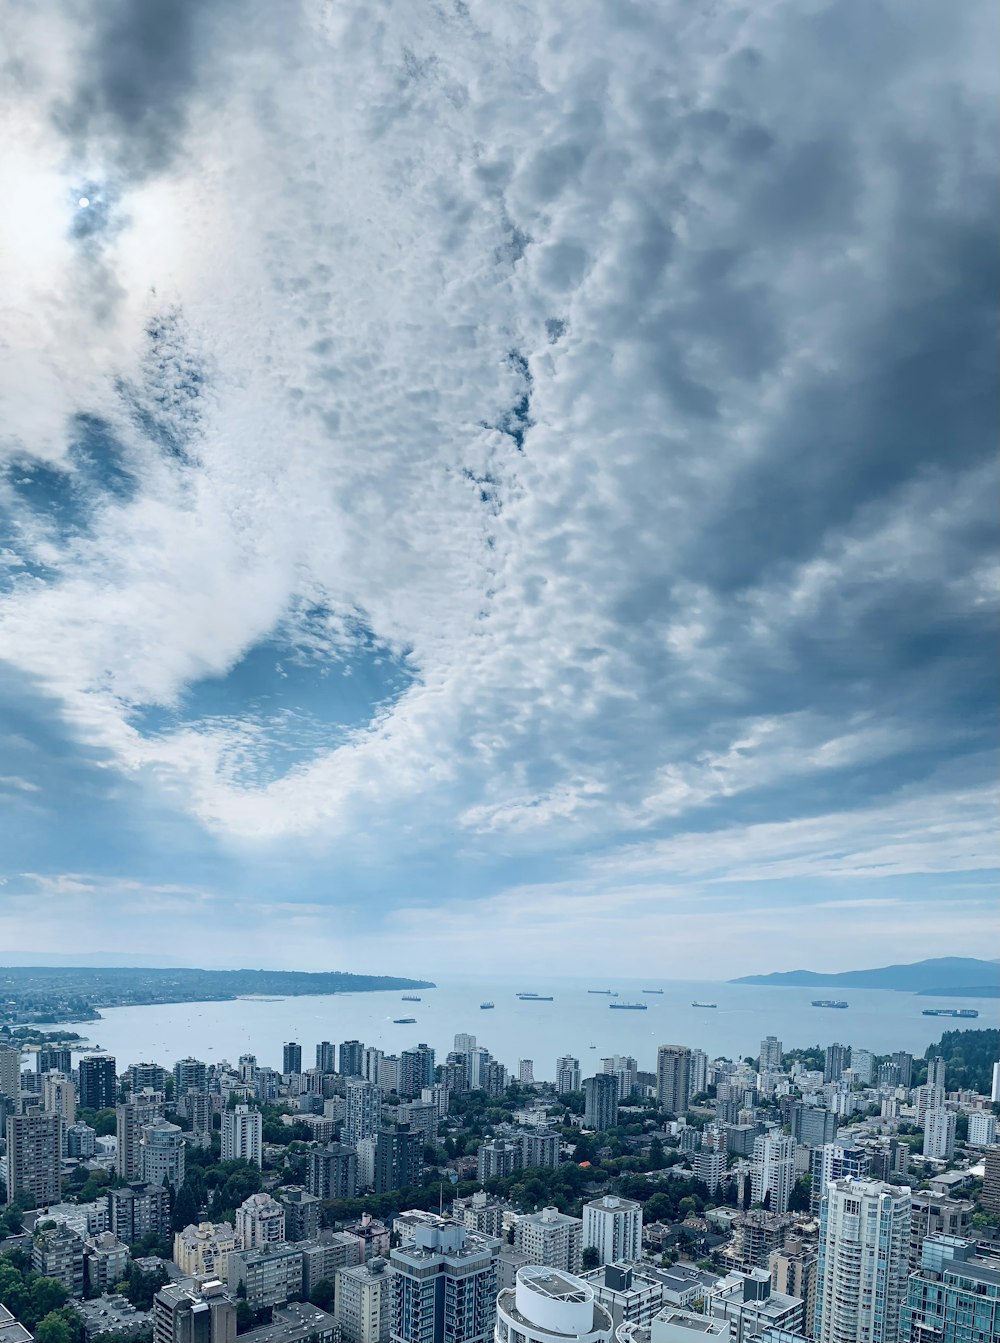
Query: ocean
(575, 1022)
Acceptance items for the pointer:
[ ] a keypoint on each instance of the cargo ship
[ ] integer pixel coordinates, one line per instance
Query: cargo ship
(604, 993)
(652, 990)
(704, 1004)
(536, 997)
(404, 1021)
(964, 1012)
(628, 1007)
(484, 1007)
(410, 998)
(828, 1002)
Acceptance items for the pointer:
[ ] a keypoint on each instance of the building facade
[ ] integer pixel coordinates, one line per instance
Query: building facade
(444, 1287)
(613, 1227)
(862, 1267)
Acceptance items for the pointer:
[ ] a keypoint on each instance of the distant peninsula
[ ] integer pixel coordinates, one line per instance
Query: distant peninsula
(44, 994)
(945, 976)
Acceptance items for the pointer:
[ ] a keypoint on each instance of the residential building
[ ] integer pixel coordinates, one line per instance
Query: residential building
(673, 1078)
(162, 1152)
(835, 1062)
(139, 1210)
(332, 1171)
(303, 1212)
(834, 1162)
(539, 1147)
(793, 1273)
(399, 1158)
(57, 1252)
(600, 1101)
(59, 1097)
(567, 1074)
(482, 1213)
(326, 1057)
(678, 1326)
(862, 1269)
(995, 1088)
(183, 1313)
(295, 1322)
(936, 1215)
(630, 1293)
(939, 1134)
(863, 1065)
(189, 1075)
(131, 1118)
(323, 1259)
(260, 1220)
(526, 1071)
(80, 1140)
(243, 1134)
(54, 1059)
(773, 1171)
(416, 1070)
(363, 1298)
(34, 1157)
(546, 1305)
(498, 1158)
(269, 1275)
(698, 1075)
(444, 1287)
(363, 1107)
(936, 1072)
(145, 1077)
(991, 1179)
(982, 1128)
(550, 1238)
(203, 1251)
(613, 1227)
(291, 1058)
(98, 1089)
(113, 1317)
(709, 1166)
(352, 1058)
(748, 1303)
(10, 1072)
(105, 1262)
(756, 1235)
(197, 1109)
(422, 1117)
(771, 1052)
(812, 1125)
(928, 1097)
(626, 1070)
(954, 1295)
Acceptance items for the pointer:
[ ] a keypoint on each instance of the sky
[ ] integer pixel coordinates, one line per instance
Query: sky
(498, 485)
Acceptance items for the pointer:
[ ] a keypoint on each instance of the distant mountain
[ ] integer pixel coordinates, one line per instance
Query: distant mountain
(962, 976)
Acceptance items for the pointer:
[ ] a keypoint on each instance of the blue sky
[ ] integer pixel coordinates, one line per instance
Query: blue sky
(483, 488)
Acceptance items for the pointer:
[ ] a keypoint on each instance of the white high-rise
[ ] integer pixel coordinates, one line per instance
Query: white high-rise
(242, 1135)
(464, 1043)
(982, 1129)
(613, 1227)
(567, 1074)
(936, 1072)
(995, 1089)
(626, 1069)
(939, 1134)
(773, 1171)
(863, 1249)
(260, 1220)
(771, 1052)
(362, 1111)
(546, 1305)
(699, 1071)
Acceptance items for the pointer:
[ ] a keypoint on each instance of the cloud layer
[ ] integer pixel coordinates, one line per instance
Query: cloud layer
(457, 451)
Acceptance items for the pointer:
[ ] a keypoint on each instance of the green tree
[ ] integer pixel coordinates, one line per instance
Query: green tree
(798, 1200)
(45, 1296)
(591, 1257)
(185, 1208)
(244, 1317)
(322, 1294)
(52, 1328)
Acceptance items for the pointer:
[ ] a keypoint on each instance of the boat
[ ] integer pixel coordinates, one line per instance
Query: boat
(605, 993)
(629, 1007)
(964, 1012)
(828, 1002)
(536, 998)
(410, 998)
(484, 1007)
(591, 1046)
(652, 990)
(404, 1021)
(704, 1004)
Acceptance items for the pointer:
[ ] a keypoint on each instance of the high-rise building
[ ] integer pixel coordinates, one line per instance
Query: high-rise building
(57, 1253)
(363, 1301)
(982, 1129)
(904, 1063)
(928, 1097)
(268, 1276)
(954, 1296)
(600, 1094)
(862, 1269)
(98, 1082)
(189, 1075)
(835, 1062)
(834, 1162)
(444, 1287)
(186, 1314)
(321, 1259)
(332, 1171)
(203, 1251)
(54, 1059)
(936, 1072)
(626, 1070)
(613, 1227)
(291, 1058)
(105, 1262)
(934, 1214)
(326, 1057)
(793, 1273)
(550, 1237)
(139, 1210)
(545, 1304)
(991, 1179)
(771, 1052)
(673, 1078)
(34, 1159)
(464, 1043)
(567, 1074)
(526, 1071)
(370, 1063)
(939, 1134)
(863, 1065)
(196, 1107)
(242, 1135)
(260, 1220)
(303, 1212)
(812, 1125)
(362, 1113)
(162, 1149)
(995, 1088)
(497, 1158)
(59, 1097)
(10, 1072)
(773, 1170)
(352, 1059)
(145, 1077)
(131, 1118)
(699, 1072)
(709, 1166)
(416, 1069)
(399, 1158)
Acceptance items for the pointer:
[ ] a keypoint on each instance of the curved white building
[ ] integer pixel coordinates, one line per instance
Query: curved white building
(549, 1306)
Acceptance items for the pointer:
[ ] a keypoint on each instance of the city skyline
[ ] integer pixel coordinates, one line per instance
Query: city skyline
(481, 488)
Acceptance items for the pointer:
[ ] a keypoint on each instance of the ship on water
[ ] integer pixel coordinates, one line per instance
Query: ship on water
(652, 990)
(604, 993)
(536, 997)
(485, 1007)
(404, 1021)
(965, 1013)
(828, 1002)
(628, 1007)
(704, 1004)
(410, 998)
